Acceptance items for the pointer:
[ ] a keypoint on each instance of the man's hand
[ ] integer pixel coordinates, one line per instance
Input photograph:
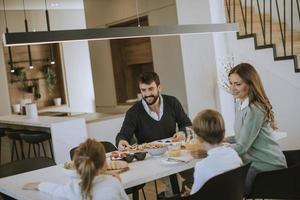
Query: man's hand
(123, 144)
(179, 136)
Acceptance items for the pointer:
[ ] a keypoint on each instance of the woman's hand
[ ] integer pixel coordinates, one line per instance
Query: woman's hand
(199, 153)
(31, 186)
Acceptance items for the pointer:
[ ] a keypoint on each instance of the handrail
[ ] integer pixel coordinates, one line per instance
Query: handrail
(268, 16)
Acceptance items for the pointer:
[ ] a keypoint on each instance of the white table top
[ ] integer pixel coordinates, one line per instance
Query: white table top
(140, 172)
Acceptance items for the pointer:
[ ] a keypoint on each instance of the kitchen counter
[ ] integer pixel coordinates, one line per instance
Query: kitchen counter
(40, 121)
(66, 132)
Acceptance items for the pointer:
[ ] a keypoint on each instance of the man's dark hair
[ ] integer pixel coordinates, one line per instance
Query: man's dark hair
(149, 77)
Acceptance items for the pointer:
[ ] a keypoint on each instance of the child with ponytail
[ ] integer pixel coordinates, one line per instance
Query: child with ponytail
(93, 182)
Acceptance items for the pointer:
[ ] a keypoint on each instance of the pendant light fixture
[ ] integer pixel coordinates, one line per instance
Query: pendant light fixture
(52, 60)
(11, 62)
(137, 12)
(26, 29)
(48, 37)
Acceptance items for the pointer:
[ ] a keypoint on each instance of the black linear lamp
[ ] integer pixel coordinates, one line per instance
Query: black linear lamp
(12, 68)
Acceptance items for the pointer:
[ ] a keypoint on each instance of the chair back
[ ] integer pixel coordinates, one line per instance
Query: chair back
(228, 185)
(292, 157)
(26, 165)
(108, 146)
(279, 184)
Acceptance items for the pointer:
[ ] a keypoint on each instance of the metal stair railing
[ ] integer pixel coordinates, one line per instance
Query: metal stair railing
(276, 9)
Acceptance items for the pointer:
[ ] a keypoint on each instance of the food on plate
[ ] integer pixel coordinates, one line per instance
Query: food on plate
(134, 147)
(69, 165)
(117, 165)
(152, 145)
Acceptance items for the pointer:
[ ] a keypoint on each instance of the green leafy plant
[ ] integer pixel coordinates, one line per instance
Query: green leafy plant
(50, 77)
(20, 73)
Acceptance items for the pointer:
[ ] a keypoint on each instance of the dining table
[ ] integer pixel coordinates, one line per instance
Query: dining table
(150, 169)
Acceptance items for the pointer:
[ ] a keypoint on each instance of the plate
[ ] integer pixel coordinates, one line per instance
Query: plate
(71, 173)
(165, 161)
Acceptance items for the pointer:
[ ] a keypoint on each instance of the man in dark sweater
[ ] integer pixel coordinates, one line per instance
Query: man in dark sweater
(153, 118)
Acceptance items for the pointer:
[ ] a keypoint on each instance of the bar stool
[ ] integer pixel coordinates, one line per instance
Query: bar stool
(14, 135)
(2, 134)
(36, 139)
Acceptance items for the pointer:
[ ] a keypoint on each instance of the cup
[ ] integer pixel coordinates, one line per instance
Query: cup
(31, 110)
(191, 141)
(174, 149)
(57, 101)
(16, 108)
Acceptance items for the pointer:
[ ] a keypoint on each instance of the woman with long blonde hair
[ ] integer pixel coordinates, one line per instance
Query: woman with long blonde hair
(254, 123)
(92, 182)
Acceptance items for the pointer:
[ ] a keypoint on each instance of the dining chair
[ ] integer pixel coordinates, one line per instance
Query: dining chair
(22, 166)
(228, 185)
(279, 184)
(109, 147)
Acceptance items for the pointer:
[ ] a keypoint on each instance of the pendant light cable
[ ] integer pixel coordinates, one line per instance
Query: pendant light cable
(12, 68)
(137, 12)
(28, 46)
(52, 59)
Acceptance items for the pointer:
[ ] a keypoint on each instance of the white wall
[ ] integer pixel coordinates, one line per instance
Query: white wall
(224, 100)
(166, 51)
(198, 57)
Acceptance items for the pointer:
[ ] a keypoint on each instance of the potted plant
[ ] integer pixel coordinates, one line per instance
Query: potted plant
(50, 77)
(20, 73)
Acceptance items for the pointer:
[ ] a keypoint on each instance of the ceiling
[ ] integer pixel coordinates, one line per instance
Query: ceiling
(40, 4)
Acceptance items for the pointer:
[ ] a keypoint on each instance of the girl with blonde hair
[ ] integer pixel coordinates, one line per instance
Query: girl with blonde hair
(254, 123)
(93, 182)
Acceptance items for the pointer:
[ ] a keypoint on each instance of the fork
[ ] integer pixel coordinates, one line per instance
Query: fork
(176, 160)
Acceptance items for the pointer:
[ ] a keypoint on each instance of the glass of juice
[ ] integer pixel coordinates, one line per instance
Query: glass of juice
(174, 149)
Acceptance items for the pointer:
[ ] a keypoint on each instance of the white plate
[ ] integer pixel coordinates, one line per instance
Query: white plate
(165, 161)
(71, 173)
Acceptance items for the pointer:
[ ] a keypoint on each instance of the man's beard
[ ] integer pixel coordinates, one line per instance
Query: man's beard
(153, 101)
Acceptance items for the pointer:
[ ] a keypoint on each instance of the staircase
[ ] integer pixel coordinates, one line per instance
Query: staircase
(272, 24)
